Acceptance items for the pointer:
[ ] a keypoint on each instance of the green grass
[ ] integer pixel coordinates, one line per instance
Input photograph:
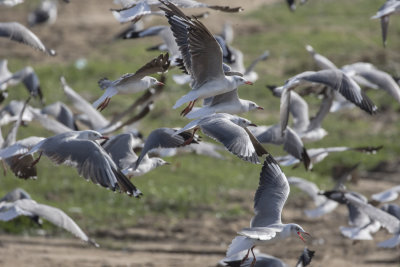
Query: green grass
(195, 183)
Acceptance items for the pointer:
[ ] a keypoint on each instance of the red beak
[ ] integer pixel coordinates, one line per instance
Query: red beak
(252, 124)
(104, 137)
(302, 238)
(160, 84)
(260, 108)
(248, 82)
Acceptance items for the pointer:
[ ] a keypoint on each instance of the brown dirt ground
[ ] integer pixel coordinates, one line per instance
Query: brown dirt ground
(202, 241)
(194, 242)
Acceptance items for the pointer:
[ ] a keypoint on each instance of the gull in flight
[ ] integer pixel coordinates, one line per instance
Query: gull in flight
(79, 149)
(132, 82)
(266, 226)
(202, 58)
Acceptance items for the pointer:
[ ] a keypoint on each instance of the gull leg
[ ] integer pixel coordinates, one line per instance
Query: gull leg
(184, 112)
(101, 104)
(188, 141)
(190, 107)
(105, 103)
(245, 257)
(254, 257)
(36, 160)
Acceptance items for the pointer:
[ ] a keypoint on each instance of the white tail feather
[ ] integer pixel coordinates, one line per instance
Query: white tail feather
(192, 95)
(239, 244)
(111, 91)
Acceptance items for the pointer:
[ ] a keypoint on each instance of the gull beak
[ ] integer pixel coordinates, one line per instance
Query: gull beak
(104, 137)
(160, 84)
(302, 238)
(260, 108)
(248, 82)
(167, 163)
(252, 124)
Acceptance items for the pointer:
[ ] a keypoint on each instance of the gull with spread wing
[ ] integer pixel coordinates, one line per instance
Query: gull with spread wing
(132, 82)
(202, 58)
(29, 207)
(232, 132)
(19, 33)
(79, 149)
(266, 226)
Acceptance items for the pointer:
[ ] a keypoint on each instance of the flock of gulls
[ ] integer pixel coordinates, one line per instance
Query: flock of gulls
(214, 71)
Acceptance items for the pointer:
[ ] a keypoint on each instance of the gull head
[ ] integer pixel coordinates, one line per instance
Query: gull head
(153, 81)
(296, 229)
(160, 162)
(90, 135)
(252, 106)
(240, 80)
(242, 121)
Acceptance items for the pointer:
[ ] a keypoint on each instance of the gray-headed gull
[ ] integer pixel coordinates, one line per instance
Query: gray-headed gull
(322, 203)
(290, 140)
(202, 58)
(132, 82)
(231, 131)
(79, 149)
(389, 7)
(165, 138)
(361, 225)
(391, 223)
(19, 33)
(121, 147)
(375, 78)
(225, 103)
(266, 226)
(29, 207)
(334, 79)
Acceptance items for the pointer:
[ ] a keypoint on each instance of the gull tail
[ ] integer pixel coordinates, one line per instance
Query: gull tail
(239, 244)
(192, 95)
(110, 92)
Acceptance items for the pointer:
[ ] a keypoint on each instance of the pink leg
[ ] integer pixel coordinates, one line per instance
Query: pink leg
(254, 257)
(188, 141)
(245, 257)
(36, 160)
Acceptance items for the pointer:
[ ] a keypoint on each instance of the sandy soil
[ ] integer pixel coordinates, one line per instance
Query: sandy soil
(203, 241)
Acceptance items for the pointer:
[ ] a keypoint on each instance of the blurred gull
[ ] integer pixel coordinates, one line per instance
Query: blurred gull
(46, 12)
(322, 203)
(19, 33)
(387, 195)
(29, 207)
(389, 7)
(10, 3)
